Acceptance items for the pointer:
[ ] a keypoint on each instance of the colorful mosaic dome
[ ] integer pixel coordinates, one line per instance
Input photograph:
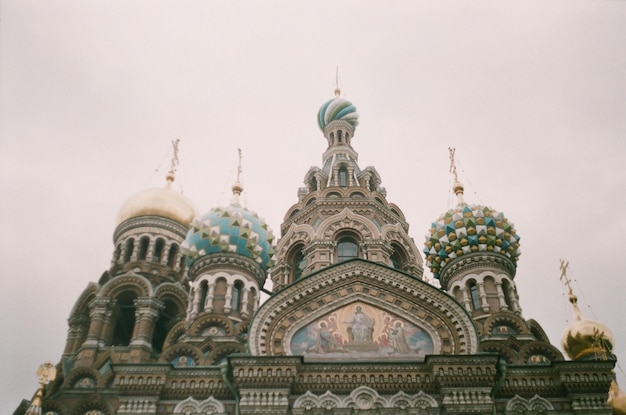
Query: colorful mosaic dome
(466, 229)
(231, 229)
(337, 108)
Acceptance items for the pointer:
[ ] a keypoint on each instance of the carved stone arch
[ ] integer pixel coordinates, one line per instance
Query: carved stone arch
(347, 219)
(396, 293)
(192, 406)
(517, 405)
(539, 404)
(502, 349)
(82, 303)
(302, 233)
(207, 346)
(327, 401)
(242, 328)
(539, 348)
(394, 233)
(536, 330)
(396, 210)
(173, 291)
(211, 319)
(508, 319)
(182, 349)
(174, 334)
(78, 373)
(222, 351)
(129, 281)
(51, 407)
(365, 398)
(424, 401)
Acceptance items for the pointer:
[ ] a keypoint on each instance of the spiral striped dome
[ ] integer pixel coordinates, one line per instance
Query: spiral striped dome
(336, 109)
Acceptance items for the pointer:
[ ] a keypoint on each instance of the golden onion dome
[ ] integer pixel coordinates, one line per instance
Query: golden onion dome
(585, 338)
(163, 202)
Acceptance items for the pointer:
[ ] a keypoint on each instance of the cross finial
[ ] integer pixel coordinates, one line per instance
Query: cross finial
(572, 298)
(457, 187)
(337, 90)
(237, 187)
(174, 163)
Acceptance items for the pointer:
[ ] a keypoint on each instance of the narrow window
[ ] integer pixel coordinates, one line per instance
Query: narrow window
(158, 250)
(171, 256)
(343, 177)
(339, 134)
(475, 295)
(236, 301)
(143, 247)
(299, 265)
(124, 319)
(395, 260)
(505, 291)
(204, 288)
(130, 246)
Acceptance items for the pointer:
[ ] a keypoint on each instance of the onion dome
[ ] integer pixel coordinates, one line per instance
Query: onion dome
(164, 202)
(467, 229)
(336, 109)
(231, 229)
(586, 339)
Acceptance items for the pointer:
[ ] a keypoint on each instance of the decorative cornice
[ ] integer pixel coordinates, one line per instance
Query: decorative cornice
(226, 260)
(151, 222)
(474, 261)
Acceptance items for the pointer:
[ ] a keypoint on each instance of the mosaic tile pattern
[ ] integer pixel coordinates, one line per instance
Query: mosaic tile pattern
(466, 229)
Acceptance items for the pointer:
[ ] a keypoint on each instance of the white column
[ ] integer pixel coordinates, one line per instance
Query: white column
(483, 297)
(228, 298)
(210, 295)
(503, 304)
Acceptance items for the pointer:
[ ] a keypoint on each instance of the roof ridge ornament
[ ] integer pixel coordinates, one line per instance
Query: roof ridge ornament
(337, 90)
(568, 283)
(457, 186)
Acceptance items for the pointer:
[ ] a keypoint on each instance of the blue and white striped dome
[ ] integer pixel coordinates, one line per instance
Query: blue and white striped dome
(337, 108)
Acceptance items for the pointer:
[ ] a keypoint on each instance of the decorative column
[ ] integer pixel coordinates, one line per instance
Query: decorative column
(79, 325)
(245, 292)
(466, 299)
(228, 298)
(503, 304)
(146, 314)
(210, 295)
(483, 296)
(100, 315)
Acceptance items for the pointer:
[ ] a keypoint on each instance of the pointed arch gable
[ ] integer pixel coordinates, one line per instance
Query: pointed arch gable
(346, 219)
(82, 303)
(372, 286)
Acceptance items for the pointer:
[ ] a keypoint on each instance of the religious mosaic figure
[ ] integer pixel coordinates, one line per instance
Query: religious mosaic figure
(398, 338)
(325, 340)
(360, 327)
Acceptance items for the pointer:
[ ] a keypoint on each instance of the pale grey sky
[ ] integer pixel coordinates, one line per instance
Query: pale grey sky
(531, 93)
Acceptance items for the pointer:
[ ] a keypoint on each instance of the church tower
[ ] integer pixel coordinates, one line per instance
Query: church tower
(342, 211)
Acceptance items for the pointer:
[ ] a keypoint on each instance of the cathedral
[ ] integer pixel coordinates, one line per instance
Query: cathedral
(177, 324)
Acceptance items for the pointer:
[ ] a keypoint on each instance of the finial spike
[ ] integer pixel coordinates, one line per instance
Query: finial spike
(568, 283)
(237, 187)
(337, 90)
(457, 187)
(171, 175)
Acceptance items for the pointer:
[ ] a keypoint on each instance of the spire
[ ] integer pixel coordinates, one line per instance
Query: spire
(337, 90)
(171, 175)
(237, 187)
(457, 187)
(572, 298)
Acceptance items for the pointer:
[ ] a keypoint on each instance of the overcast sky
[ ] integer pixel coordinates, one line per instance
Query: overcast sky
(532, 94)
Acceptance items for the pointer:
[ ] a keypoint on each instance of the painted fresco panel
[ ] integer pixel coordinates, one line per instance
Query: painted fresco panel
(359, 331)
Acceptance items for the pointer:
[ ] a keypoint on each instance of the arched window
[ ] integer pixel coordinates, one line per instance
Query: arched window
(168, 316)
(343, 177)
(158, 250)
(475, 295)
(298, 264)
(505, 291)
(204, 288)
(347, 248)
(171, 256)
(124, 319)
(395, 260)
(143, 247)
(128, 252)
(237, 291)
(118, 253)
(339, 134)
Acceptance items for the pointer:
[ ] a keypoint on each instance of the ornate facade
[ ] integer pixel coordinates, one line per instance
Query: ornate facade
(176, 325)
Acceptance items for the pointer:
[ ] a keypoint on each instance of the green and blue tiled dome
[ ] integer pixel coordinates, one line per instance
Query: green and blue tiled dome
(231, 229)
(467, 229)
(336, 109)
